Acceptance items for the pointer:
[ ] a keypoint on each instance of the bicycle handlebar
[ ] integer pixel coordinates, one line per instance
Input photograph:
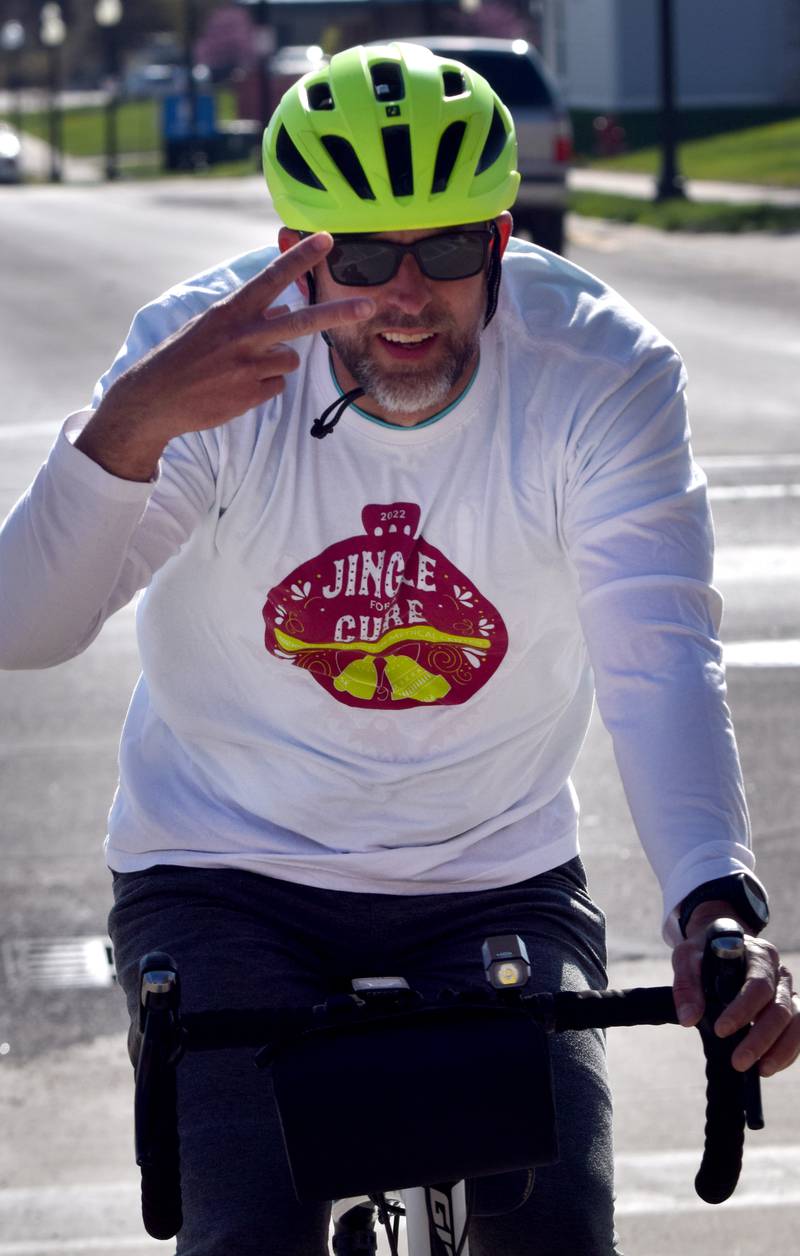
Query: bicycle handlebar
(733, 1098)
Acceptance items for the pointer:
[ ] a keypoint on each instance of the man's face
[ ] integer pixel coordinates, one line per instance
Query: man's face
(417, 352)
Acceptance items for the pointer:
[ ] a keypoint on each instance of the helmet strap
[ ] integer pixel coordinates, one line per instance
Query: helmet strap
(312, 300)
(494, 274)
(327, 421)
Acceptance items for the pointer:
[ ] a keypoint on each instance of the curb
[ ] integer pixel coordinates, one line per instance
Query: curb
(644, 186)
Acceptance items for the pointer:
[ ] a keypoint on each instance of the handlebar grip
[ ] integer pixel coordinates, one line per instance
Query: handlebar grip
(155, 1107)
(723, 971)
(157, 1147)
(162, 1213)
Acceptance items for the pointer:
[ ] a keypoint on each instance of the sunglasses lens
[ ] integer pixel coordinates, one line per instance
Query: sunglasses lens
(361, 263)
(455, 255)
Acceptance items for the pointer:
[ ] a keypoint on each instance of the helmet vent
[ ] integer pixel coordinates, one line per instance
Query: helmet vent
(387, 81)
(320, 96)
(454, 84)
(293, 161)
(397, 147)
(341, 151)
(495, 143)
(447, 155)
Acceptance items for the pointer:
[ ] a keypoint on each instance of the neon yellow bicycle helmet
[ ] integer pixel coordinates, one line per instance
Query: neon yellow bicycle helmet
(388, 138)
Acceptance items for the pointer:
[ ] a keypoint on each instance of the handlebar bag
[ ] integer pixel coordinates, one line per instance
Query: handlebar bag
(414, 1098)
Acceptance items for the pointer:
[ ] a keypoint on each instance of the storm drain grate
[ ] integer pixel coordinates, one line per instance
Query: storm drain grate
(59, 963)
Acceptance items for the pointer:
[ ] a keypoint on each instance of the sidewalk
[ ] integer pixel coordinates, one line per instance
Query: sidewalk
(36, 163)
(644, 186)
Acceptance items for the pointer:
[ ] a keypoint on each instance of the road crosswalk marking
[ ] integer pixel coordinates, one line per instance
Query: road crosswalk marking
(105, 1245)
(770, 653)
(648, 1183)
(750, 563)
(752, 492)
(29, 431)
(749, 462)
(663, 1181)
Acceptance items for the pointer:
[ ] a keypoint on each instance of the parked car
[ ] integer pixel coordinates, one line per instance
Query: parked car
(518, 75)
(160, 79)
(10, 155)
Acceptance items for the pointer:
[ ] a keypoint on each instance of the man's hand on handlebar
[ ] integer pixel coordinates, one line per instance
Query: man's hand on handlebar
(766, 1002)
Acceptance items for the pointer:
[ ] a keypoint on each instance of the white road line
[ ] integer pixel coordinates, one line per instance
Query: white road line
(648, 1183)
(737, 564)
(21, 431)
(751, 492)
(663, 1181)
(783, 653)
(109, 1244)
(745, 462)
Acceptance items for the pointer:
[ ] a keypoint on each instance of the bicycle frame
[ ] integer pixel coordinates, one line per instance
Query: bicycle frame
(435, 1220)
(435, 1217)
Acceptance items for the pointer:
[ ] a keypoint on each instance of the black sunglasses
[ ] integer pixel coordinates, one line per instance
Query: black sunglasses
(363, 261)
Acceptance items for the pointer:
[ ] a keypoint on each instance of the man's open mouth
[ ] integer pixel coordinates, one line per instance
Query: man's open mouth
(407, 344)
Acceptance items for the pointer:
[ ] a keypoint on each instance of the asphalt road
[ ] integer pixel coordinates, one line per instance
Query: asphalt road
(77, 263)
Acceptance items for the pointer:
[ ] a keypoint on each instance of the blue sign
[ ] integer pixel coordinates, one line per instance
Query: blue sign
(177, 117)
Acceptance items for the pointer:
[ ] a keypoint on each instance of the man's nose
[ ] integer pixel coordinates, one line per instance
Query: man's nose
(409, 290)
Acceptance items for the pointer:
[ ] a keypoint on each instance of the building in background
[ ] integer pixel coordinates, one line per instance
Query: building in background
(733, 56)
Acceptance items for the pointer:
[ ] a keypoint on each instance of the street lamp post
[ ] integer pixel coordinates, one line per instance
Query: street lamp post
(670, 184)
(108, 15)
(53, 32)
(266, 47)
(193, 156)
(12, 41)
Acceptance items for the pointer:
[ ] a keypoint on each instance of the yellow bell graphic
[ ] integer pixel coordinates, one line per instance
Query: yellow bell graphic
(411, 681)
(360, 678)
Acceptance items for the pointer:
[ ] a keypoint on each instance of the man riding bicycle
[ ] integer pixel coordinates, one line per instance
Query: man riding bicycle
(385, 569)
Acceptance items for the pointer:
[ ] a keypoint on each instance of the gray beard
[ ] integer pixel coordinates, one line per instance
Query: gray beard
(411, 388)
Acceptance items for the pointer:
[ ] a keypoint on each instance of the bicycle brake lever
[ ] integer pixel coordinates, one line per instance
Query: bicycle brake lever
(723, 973)
(733, 1098)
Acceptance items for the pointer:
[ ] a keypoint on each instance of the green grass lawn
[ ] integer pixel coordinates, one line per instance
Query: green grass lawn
(685, 215)
(762, 154)
(138, 126)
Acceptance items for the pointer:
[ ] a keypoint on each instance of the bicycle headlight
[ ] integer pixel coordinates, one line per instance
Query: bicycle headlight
(505, 961)
(509, 974)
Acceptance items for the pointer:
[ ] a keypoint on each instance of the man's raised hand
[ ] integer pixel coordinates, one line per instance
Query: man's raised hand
(232, 357)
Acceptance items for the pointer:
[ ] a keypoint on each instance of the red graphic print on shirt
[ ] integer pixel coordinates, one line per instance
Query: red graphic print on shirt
(384, 620)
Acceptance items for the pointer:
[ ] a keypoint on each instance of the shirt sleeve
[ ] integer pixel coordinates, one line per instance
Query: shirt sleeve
(636, 525)
(81, 542)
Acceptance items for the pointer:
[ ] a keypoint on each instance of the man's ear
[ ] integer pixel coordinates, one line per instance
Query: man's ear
(505, 225)
(286, 240)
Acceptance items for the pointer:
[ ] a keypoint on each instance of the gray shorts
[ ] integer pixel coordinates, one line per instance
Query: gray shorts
(245, 940)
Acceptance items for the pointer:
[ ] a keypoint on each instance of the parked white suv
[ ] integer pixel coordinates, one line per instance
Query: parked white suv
(10, 155)
(518, 75)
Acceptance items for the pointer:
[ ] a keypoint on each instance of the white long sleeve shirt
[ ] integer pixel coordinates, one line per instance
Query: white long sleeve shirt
(369, 661)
